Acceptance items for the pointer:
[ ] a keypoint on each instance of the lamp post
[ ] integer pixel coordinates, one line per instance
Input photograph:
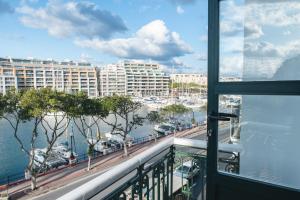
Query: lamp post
(72, 159)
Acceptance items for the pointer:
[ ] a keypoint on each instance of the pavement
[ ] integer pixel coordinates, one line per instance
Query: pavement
(55, 184)
(62, 181)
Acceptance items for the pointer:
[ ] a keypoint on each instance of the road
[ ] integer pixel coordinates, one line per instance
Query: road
(201, 135)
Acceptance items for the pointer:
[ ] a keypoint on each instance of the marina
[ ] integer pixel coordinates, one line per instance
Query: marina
(14, 161)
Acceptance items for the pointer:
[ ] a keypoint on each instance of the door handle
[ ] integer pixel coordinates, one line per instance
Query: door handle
(222, 116)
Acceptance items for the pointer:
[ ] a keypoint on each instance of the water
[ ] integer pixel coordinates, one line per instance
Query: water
(13, 160)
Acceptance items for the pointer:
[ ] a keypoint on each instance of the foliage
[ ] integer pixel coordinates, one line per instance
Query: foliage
(86, 113)
(35, 106)
(124, 108)
(174, 109)
(154, 117)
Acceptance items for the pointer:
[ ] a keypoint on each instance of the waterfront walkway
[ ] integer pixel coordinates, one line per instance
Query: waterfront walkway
(57, 183)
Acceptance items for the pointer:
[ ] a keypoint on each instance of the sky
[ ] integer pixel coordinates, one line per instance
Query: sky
(171, 32)
(256, 36)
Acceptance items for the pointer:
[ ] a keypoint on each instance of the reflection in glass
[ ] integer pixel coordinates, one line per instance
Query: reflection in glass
(267, 134)
(259, 40)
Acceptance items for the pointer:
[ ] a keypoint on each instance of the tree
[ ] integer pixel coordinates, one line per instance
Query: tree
(154, 117)
(50, 115)
(35, 106)
(174, 109)
(86, 114)
(124, 108)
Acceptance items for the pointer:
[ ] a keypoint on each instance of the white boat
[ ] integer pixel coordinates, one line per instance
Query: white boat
(62, 150)
(165, 128)
(101, 146)
(116, 137)
(53, 160)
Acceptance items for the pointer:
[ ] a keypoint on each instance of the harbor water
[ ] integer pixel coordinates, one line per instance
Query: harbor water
(13, 160)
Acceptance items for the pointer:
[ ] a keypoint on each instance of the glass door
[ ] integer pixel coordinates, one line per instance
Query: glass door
(253, 100)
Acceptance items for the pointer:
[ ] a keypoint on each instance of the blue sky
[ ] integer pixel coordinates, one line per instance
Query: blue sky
(171, 32)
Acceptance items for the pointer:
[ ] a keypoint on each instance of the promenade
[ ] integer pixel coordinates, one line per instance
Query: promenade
(61, 181)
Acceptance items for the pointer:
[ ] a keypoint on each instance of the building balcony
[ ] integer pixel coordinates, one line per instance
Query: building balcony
(174, 168)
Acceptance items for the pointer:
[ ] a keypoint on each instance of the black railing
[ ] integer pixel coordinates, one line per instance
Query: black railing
(151, 180)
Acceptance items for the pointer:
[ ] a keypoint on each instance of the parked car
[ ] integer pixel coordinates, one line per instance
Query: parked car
(186, 170)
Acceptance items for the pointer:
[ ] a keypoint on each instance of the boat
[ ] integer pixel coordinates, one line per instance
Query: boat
(116, 137)
(63, 150)
(54, 160)
(102, 146)
(165, 128)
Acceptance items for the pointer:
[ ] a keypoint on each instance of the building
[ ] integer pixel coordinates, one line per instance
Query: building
(112, 80)
(61, 76)
(133, 79)
(200, 79)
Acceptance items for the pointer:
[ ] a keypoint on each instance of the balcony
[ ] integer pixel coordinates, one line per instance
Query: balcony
(173, 168)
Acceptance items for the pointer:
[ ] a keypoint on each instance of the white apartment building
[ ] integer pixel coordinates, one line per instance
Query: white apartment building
(133, 79)
(61, 76)
(112, 80)
(200, 79)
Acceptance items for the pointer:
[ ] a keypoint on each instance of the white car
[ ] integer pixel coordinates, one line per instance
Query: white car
(186, 170)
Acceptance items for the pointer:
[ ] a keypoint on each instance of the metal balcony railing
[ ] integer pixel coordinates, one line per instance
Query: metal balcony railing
(174, 168)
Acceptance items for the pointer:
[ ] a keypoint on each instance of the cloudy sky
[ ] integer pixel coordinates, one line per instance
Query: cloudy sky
(257, 36)
(171, 32)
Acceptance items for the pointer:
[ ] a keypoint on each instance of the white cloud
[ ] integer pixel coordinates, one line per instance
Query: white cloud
(179, 10)
(263, 59)
(232, 18)
(252, 30)
(278, 14)
(242, 28)
(201, 57)
(152, 41)
(80, 19)
(261, 49)
(231, 65)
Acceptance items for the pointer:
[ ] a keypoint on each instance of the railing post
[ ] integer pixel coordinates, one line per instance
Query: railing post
(140, 184)
(172, 159)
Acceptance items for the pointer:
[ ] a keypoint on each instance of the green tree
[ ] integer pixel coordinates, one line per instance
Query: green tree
(34, 106)
(154, 117)
(86, 114)
(48, 110)
(174, 110)
(123, 108)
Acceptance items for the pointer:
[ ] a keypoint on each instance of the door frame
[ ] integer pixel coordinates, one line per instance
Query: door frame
(218, 183)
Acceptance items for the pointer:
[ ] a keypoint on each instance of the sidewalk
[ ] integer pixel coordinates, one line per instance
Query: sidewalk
(78, 174)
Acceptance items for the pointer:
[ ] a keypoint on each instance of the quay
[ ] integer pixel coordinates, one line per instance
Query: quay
(58, 182)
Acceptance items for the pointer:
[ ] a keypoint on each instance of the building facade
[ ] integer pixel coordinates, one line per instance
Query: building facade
(112, 80)
(200, 79)
(133, 79)
(62, 76)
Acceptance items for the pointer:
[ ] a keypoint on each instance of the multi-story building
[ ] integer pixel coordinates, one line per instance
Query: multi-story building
(133, 79)
(61, 76)
(112, 80)
(200, 79)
